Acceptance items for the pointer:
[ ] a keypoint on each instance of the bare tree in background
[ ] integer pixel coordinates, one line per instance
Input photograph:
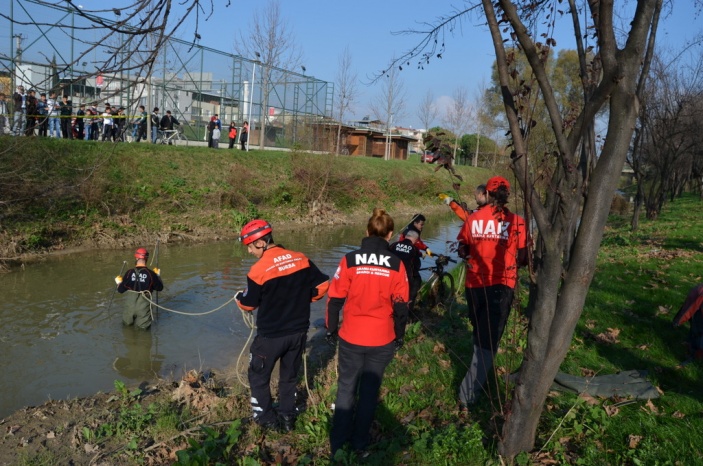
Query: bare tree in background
(347, 90)
(457, 117)
(390, 103)
(271, 37)
(427, 112)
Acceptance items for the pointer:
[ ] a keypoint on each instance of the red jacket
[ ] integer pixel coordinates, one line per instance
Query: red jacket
(282, 284)
(494, 237)
(693, 304)
(372, 286)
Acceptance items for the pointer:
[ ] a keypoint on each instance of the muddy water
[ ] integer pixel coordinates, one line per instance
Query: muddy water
(61, 336)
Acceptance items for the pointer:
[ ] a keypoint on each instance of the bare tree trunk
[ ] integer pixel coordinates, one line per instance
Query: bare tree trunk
(550, 331)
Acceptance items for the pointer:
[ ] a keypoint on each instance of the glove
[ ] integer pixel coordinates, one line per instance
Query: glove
(238, 295)
(445, 198)
(427, 252)
(118, 280)
(398, 343)
(331, 339)
(157, 271)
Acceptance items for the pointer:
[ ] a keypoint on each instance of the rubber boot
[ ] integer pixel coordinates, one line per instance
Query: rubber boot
(475, 379)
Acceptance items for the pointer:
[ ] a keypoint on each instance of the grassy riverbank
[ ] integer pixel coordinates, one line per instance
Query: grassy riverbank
(641, 281)
(60, 194)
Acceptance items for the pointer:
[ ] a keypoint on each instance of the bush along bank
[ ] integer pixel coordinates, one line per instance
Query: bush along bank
(65, 194)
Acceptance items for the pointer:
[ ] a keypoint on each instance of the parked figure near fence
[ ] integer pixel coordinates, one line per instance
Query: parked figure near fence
(216, 138)
(66, 111)
(168, 122)
(155, 121)
(19, 101)
(53, 108)
(43, 115)
(232, 134)
(141, 123)
(80, 122)
(108, 128)
(120, 122)
(4, 115)
(244, 137)
(32, 111)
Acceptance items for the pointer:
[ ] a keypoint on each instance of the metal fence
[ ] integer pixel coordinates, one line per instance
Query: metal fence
(192, 81)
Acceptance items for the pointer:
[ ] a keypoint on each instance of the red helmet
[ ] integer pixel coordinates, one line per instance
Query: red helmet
(141, 253)
(254, 230)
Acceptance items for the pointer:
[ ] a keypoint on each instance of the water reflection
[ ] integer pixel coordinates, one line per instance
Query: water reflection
(140, 358)
(60, 336)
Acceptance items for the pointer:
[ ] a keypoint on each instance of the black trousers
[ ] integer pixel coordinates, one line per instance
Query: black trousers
(66, 127)
(361, 370)
(489, 309)
(264, 353)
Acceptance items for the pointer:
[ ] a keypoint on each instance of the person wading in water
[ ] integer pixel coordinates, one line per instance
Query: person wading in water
(141, 281)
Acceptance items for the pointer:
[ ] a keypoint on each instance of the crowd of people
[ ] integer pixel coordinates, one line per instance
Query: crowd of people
(27, 114)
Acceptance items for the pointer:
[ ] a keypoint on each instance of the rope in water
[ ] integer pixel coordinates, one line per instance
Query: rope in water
(249, 321)
(181, 312)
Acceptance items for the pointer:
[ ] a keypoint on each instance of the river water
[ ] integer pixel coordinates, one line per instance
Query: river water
(62, 337)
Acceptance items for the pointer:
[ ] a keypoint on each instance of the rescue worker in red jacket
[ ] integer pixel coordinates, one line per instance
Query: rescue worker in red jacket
(461, 209)
(497, 246)
(281, 284)
(692, 310)
(371, 286)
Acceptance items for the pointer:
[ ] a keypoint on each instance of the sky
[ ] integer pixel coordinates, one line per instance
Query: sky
(323, 28)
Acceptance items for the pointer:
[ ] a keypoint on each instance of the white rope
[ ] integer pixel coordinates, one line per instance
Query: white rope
(181, 312)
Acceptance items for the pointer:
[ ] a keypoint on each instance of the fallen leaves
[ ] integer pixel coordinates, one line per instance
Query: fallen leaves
(650, 406)
(662, 311)
(633, 440)
(611, 410)
(609, 337)
(589, 399)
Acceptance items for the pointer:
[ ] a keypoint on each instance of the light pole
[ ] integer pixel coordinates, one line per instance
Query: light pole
(251, 95)
(388, 137)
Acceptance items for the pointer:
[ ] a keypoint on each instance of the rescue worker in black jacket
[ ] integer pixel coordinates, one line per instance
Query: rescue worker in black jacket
(372, 286)
(408, 253)
(140, 281)
(281, 284)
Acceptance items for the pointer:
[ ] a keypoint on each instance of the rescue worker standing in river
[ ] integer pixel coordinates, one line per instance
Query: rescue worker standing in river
(281, 284)
(371, 286)
(141, 282)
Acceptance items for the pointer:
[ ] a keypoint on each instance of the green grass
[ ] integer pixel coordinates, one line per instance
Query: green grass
(641, 280)
(58, 192)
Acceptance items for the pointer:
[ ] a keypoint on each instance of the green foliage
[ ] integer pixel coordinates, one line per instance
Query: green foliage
(440, 447)
(215, 446)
